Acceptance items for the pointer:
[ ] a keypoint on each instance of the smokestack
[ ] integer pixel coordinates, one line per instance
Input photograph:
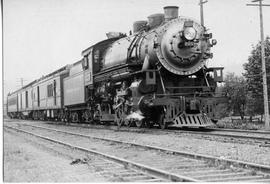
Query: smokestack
(170, 12)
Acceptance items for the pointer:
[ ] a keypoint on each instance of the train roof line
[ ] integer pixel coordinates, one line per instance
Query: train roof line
(41, 78)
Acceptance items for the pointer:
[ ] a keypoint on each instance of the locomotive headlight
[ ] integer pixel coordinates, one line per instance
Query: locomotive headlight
(190, 33)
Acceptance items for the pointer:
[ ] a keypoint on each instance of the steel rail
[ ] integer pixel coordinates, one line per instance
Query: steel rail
(205, 133)
(222, 135)
(266, 139)
(146, 169)
(185, 131)
(241, 131)
(265, 168)
(214, 129)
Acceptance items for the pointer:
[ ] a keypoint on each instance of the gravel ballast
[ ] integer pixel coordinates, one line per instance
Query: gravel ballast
(183, 142)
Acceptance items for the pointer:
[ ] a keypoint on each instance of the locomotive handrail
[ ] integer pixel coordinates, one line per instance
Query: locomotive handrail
(143, 71)
(189, 87)
(176, 94)
(131, 47)
(134, 42)
(116, 67)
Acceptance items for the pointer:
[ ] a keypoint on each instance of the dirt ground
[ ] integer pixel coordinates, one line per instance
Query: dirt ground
(24, 162)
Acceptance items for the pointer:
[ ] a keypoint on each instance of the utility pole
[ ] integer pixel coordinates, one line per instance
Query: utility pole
(201, 11)
(21, 81)
(265, 95)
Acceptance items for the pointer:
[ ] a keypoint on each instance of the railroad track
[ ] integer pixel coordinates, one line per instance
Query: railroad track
(240, 131)
(262, 137)
(246, 136)
(181, 166)
(108, 165)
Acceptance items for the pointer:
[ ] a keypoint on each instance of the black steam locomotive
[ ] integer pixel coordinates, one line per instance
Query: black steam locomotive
(157, 75)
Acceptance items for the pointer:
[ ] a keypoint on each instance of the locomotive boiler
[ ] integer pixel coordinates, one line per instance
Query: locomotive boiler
(180, 44)
(157, 75)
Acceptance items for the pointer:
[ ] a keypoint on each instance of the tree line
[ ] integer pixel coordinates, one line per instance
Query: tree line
(245, 92)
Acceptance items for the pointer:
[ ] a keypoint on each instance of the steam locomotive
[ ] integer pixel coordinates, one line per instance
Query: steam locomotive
(155, 76)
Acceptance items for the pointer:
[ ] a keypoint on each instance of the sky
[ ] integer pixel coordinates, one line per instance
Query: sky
(40, 36)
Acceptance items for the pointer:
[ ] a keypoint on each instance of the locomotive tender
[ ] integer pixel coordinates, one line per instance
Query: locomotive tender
(157, 75)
